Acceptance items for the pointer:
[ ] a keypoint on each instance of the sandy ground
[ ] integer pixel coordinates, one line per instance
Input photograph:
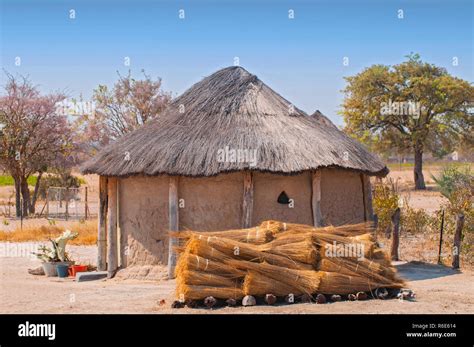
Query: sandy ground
(439, 290)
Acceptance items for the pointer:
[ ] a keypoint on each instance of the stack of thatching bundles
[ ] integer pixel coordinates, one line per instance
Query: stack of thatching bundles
(281, 259)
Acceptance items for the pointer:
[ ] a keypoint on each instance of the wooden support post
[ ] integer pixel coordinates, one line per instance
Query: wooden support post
(102, 225)
(441, 229)
(316, 198)
(173, 216)
(67, 203)
(86, 210)
(112, 258)
(457, 240)
(247, 202)
(367, 198)
(47, 203)
(395, 234)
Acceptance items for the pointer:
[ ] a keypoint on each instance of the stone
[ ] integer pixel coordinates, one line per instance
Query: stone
(177, 304)
(336, 298)
(270, 299)
(249, 300)
(231, 302)
(90, 276)
(210, 301)
(306, 299)
(320, 299)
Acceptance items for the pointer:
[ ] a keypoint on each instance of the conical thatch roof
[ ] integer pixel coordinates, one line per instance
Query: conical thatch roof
(232, 109)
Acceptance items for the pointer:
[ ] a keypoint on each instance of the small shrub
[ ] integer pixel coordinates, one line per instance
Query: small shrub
(415, 220)
(385, 202)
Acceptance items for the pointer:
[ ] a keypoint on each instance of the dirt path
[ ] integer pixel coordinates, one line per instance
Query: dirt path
(438, 289)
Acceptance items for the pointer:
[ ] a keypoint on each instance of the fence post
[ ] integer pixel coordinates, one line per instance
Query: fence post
(67, 203)
(395, 234)
(85, 205)
(457, 240)
(47, 203)
(441, 237)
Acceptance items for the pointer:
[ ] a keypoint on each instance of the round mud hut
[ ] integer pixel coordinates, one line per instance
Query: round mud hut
(228, 153)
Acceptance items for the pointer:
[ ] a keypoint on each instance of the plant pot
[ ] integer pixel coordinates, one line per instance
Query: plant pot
(62, 270)
(74, 269)
(49, 269)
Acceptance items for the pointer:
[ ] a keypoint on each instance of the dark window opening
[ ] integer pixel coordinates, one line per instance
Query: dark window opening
(283, 198)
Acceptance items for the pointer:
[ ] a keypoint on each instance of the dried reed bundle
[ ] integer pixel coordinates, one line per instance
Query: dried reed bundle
(337, 283)
(192, 292)
(302, 251)
(194, 262)
(199, 278)
(244, 251)
(303, 281)
(257, 235)
(350, 247)
(257, 284)
(201, 247)
(364, 267)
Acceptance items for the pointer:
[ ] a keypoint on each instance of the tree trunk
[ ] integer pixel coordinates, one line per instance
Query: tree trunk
(17, 196)
(35, 193)
(418, 170)
(25, 192)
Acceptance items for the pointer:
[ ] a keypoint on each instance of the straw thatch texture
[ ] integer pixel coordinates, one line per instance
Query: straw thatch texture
(232, 109)
(294, 261)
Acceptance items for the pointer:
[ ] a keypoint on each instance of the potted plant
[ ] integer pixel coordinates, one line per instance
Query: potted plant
(57, 255)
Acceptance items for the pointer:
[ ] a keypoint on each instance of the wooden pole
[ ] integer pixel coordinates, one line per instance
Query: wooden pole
(247, 202)
(173, 215)
(102, 225)
(457, 240)
(112, 259)
(395, 234)
(86, 210)
(47, 202)
(441, 237)
(316, 198)
(367, 197)
(67, 203)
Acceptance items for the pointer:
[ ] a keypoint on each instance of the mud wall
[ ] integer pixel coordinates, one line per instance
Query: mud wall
(341, 197)
(267, 188)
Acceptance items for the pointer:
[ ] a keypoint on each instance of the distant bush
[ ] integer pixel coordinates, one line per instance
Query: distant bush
(7, 180)
(416, 220)
(453, 178)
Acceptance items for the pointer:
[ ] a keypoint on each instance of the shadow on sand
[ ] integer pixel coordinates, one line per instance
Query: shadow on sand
(417, 271)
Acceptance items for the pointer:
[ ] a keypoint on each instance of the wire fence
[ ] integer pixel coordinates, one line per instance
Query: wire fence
(69, 203)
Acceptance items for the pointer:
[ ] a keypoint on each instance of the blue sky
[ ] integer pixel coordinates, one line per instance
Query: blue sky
(301, 58)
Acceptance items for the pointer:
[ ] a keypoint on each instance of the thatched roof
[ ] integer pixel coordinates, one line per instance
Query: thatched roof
(232, 109)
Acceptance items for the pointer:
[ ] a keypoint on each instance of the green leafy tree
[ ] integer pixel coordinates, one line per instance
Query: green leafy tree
(413, 105)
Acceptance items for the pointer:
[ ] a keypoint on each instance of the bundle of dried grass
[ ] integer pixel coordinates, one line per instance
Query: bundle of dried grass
(193, 262)
(363, 267)
(257, 284)
(238, 250)
(280, 259)
(189, 277)
(302, 281)
(337, 283)
(343, 230)
(256, 236)
(300, 250)
(192, 292)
